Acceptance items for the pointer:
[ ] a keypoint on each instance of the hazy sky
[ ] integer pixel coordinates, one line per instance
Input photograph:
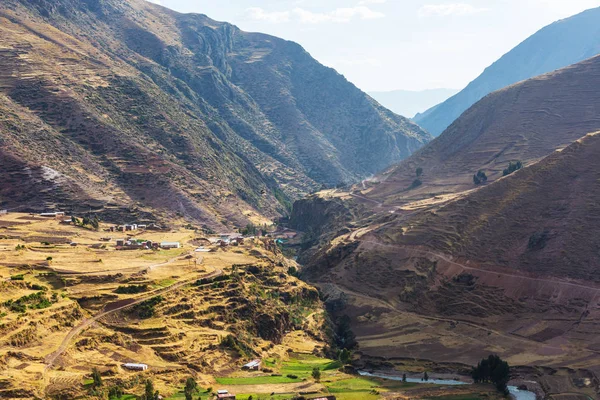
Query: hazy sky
(395, 44)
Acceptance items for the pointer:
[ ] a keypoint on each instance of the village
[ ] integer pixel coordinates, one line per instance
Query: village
(139, 302)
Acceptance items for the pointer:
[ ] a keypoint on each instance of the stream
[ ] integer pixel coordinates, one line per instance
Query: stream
(514, 391)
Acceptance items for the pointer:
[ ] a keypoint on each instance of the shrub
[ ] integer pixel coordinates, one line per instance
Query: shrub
(480, 177)
(48, 258)
(416, 183)
(512, 167)
(292, 376)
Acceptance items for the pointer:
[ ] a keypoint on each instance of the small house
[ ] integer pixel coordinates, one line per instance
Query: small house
(73, 244)
(135, 366)
(170, 245)
(120, 242)
(253, 365)
(3, 212)
(225, 395)
(142, 226)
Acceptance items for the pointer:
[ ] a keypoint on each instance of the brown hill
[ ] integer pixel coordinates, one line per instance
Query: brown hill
(510, 267)
(526, 122)
(129, 105)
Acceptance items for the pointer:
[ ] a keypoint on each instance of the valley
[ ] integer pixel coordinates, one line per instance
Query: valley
(451, 270)
(189, 210)
(72, 301)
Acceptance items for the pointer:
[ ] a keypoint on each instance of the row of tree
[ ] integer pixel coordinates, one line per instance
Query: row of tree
(115, 392)
(492, 370)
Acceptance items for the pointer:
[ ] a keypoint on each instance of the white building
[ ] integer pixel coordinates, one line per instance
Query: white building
(135, 366)
(170, 245)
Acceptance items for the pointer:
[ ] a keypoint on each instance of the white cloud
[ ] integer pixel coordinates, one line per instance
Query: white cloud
(451, 9)
(362, 2)
(258, 14)
(339, 15)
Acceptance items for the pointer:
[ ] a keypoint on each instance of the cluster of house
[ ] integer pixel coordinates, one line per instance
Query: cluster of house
(228, 239)
(141, 244)
(133, 227)
(3, 212)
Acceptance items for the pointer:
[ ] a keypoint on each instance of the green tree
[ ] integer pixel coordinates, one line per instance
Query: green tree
(512, 167)
(480, 177)
(404, 378)
(345, 356)
(492, 369)
(425, 376)
(316, 374)
(190, 388)
(419, 172)
(96, 377)
(149, 392)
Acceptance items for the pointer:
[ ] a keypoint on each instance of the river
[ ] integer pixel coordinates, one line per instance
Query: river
(514, 391)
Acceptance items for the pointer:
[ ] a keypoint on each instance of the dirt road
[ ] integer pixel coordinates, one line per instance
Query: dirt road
(51, 358)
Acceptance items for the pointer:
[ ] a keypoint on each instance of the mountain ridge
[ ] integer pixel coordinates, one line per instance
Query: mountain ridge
(176, 113)
(555, 46)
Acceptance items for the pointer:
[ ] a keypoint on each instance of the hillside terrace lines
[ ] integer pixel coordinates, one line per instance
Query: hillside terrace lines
(596, 290)
(51, 358)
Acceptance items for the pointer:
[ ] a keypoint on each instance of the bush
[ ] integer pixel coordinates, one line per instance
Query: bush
(292, 376)
(131, 289)
(416, 183)
(17, 277)
(146, 310)
(512, 167)
(479, 178)
(48, 258)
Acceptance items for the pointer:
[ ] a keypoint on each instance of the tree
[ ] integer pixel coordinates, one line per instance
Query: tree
(492, 369)
(512, 167)
(316, 374)
(150, 393)
(480, 177)
(419, 172)
(115, 392)
(345, 356)
(404, 378)
(96, 378)
(190, 388)
(425, 376)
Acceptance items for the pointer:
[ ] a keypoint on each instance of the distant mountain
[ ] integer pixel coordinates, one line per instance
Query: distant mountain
(409, 103)
(560, 44)
(126, 105)
(523, 122)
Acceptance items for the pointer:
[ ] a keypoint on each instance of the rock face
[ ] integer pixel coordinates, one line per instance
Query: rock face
(560, 44)
(126, 104)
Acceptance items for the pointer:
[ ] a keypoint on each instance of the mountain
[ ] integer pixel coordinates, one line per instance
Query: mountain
(558, 45)
(449, 271)
(408, 102)
(134, 110)
(523, 122)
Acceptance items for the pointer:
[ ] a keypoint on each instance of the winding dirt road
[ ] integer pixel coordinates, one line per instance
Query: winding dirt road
(51, 358)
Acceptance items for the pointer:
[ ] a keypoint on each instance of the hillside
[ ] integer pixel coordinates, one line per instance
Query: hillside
(523, 122)
(560, 44)
(510, 268)
(409, 103)
(129, 108)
